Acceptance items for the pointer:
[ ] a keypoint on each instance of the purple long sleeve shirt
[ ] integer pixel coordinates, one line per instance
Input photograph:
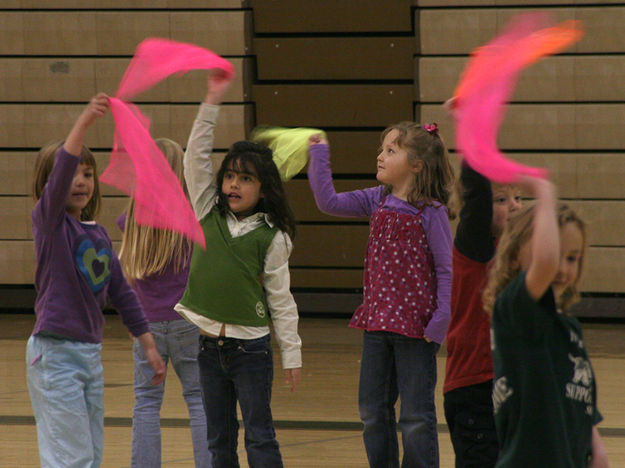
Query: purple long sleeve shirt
(159, 293)
(77, 268)
(360, 203)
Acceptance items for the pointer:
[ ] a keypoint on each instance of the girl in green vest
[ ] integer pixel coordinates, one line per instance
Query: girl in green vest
(235, 284)
(544, 390)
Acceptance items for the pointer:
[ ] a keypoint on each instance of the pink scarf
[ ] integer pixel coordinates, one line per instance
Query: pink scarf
(487, 84)
(137, 167)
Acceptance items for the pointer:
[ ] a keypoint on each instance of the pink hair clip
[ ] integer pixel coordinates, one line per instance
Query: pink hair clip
(431, 128)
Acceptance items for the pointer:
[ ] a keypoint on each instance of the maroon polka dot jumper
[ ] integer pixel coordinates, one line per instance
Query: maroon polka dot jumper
(399, 279)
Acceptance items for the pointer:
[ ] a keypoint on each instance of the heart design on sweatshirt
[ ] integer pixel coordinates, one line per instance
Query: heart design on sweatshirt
(93, 263)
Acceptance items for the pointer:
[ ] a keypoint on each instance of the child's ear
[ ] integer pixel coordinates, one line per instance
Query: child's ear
(418, 166)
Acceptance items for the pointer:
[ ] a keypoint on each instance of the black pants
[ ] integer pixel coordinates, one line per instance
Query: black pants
(469, 415)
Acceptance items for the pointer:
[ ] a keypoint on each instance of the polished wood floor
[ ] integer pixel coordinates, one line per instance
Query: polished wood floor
(317, 426)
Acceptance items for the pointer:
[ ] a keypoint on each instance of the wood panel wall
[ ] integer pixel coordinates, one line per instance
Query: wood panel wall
(566, 114)
(352, 76)
(351, 68)
(56, 54)
(346, 67)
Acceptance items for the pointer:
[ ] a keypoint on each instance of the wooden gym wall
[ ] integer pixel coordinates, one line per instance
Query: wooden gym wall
(353, 67)
(345, 67)
(350, 67)
(56, 54)
(567, 114)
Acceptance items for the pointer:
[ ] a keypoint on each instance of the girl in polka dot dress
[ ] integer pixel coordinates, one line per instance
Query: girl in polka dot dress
(407, 286)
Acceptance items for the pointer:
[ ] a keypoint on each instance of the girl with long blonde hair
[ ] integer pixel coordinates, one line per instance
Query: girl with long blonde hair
(156, 263)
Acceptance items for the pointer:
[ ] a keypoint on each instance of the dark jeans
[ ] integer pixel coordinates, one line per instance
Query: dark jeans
(395, 365)
(231, 370)
(469, 415)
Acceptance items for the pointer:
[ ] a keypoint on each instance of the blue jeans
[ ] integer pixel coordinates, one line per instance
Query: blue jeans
(176, 340)
(231, 370)
(394, 365)
(66, 386)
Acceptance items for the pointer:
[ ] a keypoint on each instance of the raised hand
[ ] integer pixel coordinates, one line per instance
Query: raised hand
(218, 84)
(317, 139)
(96, 108)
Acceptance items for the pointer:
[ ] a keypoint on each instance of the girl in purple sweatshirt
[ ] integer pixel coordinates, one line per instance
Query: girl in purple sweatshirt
(77, 270)
(407, 286)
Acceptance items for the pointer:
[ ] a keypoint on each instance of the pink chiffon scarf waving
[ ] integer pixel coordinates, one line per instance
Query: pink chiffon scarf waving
(487, 84)
(137, 167)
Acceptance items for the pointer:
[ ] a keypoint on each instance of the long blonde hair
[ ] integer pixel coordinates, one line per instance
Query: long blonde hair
(146, 250)
(519, 231)
(44, 163)
(435, 181)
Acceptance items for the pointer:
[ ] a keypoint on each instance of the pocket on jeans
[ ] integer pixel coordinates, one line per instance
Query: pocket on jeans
(36, 359)
(478, 427)
(207, 344)
(34, 351)
(256, 347)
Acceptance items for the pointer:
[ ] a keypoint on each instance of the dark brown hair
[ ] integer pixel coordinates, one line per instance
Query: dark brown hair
(246, 156)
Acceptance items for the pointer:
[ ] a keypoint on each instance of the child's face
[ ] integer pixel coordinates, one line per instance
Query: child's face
(571, 250)
(242, 190)
(393, 166)
(81, 191)
(506, 200)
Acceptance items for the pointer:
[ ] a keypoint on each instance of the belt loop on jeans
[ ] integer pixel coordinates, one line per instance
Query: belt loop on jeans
(219, 340)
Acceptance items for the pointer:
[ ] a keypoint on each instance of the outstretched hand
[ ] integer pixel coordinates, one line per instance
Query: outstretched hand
(218, 84)
(317, 139)
(96, 108)
(451, 106)
(536, 187)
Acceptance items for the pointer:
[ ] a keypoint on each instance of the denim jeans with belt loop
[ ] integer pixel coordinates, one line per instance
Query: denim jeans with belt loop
(394, 365)
(176, 341)
(234, 370)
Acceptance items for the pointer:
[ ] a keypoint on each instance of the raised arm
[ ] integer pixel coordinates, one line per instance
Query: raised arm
(544, 254)
(474, 237)
(50, 207)
(198, 167)
(355, 203)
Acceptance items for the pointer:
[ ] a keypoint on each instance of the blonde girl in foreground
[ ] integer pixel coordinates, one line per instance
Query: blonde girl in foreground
(544, 393)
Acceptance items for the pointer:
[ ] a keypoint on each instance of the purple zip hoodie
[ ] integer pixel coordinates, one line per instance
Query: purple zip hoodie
(365, 202)
(77, 268)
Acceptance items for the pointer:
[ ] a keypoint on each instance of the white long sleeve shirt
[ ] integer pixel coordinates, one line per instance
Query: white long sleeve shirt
(199, 175)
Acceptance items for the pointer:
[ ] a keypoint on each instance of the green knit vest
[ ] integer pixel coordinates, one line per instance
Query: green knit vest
(225, 281)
